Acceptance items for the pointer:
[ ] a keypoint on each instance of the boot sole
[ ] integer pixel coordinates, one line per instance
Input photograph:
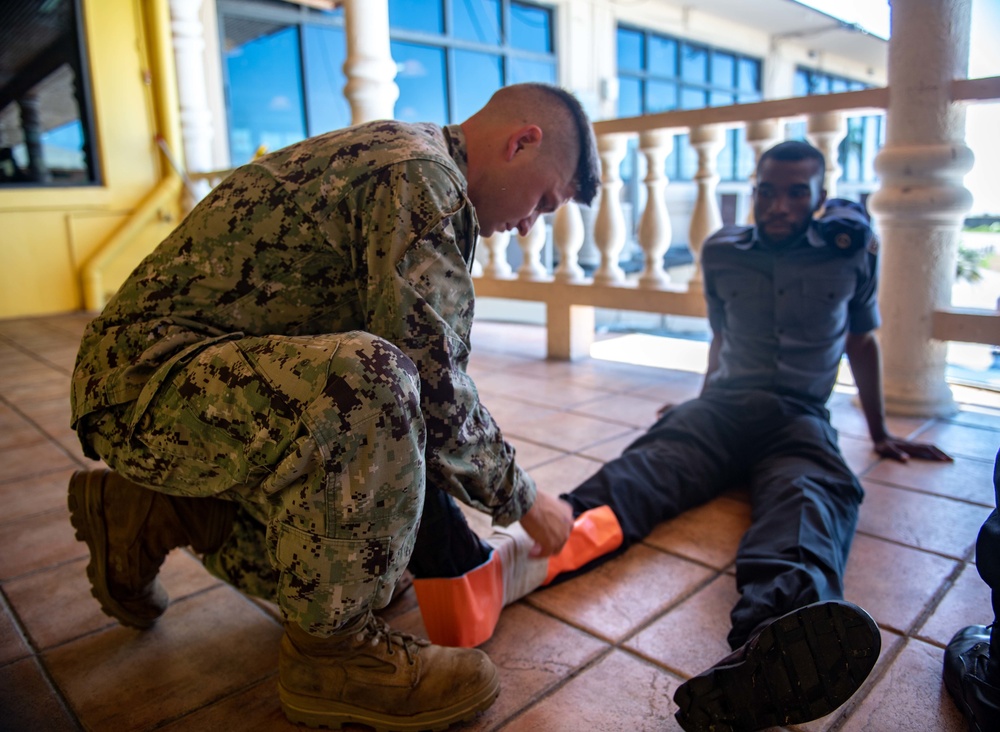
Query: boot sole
(314, 712)
(85, 502)
(801, 667)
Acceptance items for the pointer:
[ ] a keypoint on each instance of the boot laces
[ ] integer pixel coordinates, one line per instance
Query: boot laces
(376, 631)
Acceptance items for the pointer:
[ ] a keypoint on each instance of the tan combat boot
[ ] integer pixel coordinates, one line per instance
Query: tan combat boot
(130, 530)
(383, 678)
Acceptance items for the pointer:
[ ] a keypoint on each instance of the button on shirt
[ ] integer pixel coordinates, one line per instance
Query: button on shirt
(783, 314)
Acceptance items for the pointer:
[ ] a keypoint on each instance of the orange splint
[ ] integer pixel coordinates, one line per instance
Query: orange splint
(463, 611)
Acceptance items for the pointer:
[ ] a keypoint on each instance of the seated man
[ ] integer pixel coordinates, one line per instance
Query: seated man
(278, 381)
(972, 658)
(786, 299)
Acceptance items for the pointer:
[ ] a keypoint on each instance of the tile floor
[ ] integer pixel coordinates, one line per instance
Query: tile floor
(602, 652)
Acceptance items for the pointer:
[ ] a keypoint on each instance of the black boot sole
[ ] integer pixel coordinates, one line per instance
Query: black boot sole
(800, 667)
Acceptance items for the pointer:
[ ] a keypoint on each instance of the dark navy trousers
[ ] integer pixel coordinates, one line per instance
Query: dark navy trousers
(804, 498)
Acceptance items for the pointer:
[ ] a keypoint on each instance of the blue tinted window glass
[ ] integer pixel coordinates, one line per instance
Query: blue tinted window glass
(820, 84)
(748, 79)
(802, 83)
(520, 70)
(630, 50)
(693, 99)
(477, 20)
(629, 97)
(417, 15)
(265, 88)
(421, 81)
(839, 85)
(530, 28)
(688, 158)
(325, 51)
(663, 56)
(723, 69)
(744, 157)
(661, 96)
(721, 99)
(477, 76)
(795, 131)
(871, 146)
(748, 97)
(694, 63)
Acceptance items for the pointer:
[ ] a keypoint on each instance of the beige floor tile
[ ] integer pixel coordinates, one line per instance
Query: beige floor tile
(892, 582)
(535, 391)
(12, 642)
(858, 453)
(692, 636)
(848, 419)
(16, 431)
(709, 534)
(533, 653)
(610, 449)
(31, 496)
(255, 709)
(961, 441)
(593, 374)
(909, 697)
(28, 700)
(967, 479)
(510, 413)
(967, 602)
(920, 520)
(569, 432)
(564, 474)
(621, 692)
(36, 542)
(634, 411)
(618, 597)
(56, 605)
(207, 648)
(680, 388)
(531, 456)
(37, 458)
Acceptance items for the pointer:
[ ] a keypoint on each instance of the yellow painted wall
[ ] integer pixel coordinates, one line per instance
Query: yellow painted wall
(47, 235)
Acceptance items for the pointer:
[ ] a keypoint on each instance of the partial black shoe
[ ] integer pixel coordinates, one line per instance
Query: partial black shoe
(973, 685)
(797, 668)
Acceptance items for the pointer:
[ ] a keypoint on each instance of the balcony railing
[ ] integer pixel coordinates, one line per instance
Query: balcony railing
(570, 296)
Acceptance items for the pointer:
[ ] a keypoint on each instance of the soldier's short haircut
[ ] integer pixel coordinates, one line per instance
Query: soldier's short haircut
(588, 167)
(792, 151)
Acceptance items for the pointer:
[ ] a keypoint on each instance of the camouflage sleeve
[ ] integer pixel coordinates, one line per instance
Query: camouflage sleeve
(417, 222)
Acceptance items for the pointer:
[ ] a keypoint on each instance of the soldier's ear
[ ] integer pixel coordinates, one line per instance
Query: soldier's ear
(520, 139)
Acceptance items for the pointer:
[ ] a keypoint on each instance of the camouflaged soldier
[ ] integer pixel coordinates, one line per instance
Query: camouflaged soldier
(292, 361)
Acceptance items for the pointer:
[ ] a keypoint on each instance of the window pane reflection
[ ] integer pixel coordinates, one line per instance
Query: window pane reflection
(477, 76)
(421, 82)
(417, 15)
(477, 20)
(265, 87)
(325, 53)
(522, 70)
(530, 28)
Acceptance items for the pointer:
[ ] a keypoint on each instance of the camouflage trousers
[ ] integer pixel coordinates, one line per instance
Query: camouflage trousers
(320, 440)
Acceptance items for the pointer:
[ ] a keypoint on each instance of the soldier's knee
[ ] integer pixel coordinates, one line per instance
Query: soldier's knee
(390, 377)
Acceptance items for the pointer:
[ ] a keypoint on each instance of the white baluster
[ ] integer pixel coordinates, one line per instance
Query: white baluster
(531, 244)
(705, 219)
(369, 68)
(609, 227)
(655, 231)
(567, 235)
(826, 131)
(761, 136)
(497, 267)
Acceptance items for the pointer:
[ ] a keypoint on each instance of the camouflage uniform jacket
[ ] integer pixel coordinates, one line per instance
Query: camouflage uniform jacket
(367, 228)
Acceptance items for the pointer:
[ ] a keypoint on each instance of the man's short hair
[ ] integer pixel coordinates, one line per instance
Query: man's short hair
(587, 178)
(792, 151)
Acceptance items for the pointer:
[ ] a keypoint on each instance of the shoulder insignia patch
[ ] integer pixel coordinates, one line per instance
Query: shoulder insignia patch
(842, 240)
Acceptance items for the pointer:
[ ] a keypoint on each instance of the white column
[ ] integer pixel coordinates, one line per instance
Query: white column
(497, 267)
(369, 66)
(654, 227)
(762, 135)
(609, 228)
(708, 141)
(825, 131)
(922, 202)
(531, 244)
(192, 92)
(567, 236)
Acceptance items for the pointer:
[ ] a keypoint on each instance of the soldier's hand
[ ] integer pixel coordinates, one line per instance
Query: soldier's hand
(903, 450)
(549, 522)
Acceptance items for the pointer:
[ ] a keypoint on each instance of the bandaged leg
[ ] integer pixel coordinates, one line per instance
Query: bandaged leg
(464, 610)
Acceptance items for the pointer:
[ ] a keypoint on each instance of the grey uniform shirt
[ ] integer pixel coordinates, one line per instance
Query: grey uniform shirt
(368, 228)
(783, 314)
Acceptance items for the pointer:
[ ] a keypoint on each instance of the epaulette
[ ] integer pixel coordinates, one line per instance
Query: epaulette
(737, 235)
(845, 226)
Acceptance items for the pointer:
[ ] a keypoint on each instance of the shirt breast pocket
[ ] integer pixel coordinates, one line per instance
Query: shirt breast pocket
(823, 302)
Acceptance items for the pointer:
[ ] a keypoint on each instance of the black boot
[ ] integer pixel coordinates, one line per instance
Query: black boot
(972, 680)
(795, 669)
